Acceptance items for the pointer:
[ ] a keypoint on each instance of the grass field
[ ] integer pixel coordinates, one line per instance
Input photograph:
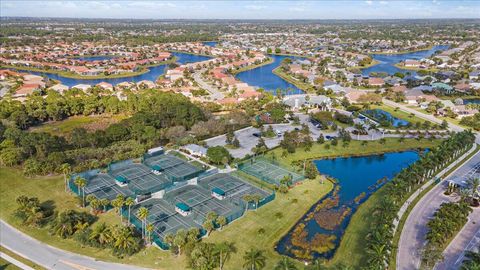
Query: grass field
(244, 232)
(6, 265)
(90, 123)
(355, 148)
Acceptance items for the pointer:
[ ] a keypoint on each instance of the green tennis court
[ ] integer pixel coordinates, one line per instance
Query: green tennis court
(267, 171)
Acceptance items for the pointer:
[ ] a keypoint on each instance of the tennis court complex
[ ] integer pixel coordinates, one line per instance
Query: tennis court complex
(175, 168)
(267, 171)
(141, 179)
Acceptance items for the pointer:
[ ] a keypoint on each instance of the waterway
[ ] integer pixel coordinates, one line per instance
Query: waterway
(471, 101)
(358, 178)
(151, 75)
(210, 43)
(387, 61)
(263, 77)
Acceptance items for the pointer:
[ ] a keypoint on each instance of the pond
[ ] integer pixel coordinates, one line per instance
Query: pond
(318, 233)
(151, 75)
(383, 118)
(210, 43)
(387, 61)
(263, 77)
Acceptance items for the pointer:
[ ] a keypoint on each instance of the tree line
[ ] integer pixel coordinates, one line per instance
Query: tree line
(379, 247)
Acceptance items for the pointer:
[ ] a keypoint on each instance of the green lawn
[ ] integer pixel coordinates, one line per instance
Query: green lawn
(355, 148)
(244, 232)
(63, 127)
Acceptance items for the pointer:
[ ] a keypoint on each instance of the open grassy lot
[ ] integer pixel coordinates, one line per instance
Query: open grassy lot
(244, 232)
(355, 148)
(90, 123)
(6, 265)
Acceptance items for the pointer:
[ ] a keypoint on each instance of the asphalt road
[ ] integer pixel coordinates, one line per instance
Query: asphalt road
(412, 238)
(50, 257)
(214, 93)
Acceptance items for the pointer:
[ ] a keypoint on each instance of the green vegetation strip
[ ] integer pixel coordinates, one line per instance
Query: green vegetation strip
(401, 223)
(287, 77)
(235, 72)
(20, 259)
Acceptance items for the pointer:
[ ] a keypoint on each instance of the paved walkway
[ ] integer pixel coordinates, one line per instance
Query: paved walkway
(214, 93)
(412, 238)
(50, 257)
(15, 262)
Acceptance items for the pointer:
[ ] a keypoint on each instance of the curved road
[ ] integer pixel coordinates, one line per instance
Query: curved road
(50, 257)
(412, 238)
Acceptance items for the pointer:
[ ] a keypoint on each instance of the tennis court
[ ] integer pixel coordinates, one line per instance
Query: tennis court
(200, 201)
(268, 171)
(164, 217)
(233, 187)
(174, 167)
(103, 186)
(140, 178)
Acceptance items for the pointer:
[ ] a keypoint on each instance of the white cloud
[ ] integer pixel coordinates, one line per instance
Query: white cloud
(383, 3)
(255, 7)
(369, 2)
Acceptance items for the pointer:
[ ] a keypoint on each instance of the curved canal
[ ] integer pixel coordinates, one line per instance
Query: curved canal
(263, 77)
(387, 61)
(318, 233)
(151, 75)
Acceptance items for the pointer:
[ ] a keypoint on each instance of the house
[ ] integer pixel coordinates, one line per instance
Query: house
(27, 89)
(83, 87)
(105, 86)
(412, 63)
(474, 75)
(310, 101)
(353, 96)
(376, 82)
(60, 88)
(442, 87)
(400, 89)
(195, 150)
(462, 87)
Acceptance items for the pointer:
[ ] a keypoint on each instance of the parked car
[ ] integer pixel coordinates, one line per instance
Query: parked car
(257, 134)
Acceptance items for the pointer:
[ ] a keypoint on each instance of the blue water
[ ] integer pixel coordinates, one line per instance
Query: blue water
(471, 101)
(263, 77)
(355, 175)
(387, 61)
(210, 43)
(381, 115)
(96, 58)
(152, 75)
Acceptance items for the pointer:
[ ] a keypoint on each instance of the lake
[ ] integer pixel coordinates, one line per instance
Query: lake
(383, 116)
(387, 61)
(471, 101)
(318, 233)
(262, 77)
(151, 75)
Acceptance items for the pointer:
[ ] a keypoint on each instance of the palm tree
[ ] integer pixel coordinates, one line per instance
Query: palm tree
(473, 184)
(142, 214)
(180, 240)
(81, 184)
(102, 234)
(285, 264)
(149, 229)
(129, 202)
(254, 259)
(222, 221)
(224, 251)
(208, 226)
(65, 168)
(118, 203)
(124, 239)
(104, 203)
(472, 261)
(247, 198)
(256, 198)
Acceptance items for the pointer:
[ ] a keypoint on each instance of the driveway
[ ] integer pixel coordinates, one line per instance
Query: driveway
(412, 238)
(50, 257)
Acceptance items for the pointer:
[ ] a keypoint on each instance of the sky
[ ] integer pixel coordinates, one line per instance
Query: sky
(360, 9)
